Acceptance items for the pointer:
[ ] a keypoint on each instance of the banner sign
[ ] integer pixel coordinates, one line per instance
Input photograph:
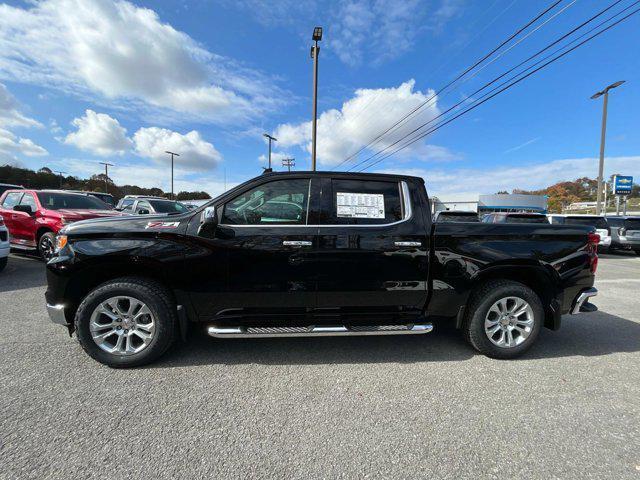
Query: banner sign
(622, 185)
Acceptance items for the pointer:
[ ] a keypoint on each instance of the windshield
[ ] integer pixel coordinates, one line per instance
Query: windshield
(166, 206)
(457, 217)
(59, 201)
(597, 222)
(632, 224)
(526, 219)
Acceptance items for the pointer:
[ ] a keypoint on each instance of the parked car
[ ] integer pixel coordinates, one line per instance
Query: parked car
(141, 205)
(514, 217)
(105, 197)
(7, 186)
(625, 233)
(596, 221)
(4, 244)
(33, 217)
(455, 216)
(314, 254)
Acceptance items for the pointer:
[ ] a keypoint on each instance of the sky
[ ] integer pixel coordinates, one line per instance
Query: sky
(89, 81)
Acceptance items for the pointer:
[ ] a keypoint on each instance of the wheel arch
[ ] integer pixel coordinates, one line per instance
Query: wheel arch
(542, 279)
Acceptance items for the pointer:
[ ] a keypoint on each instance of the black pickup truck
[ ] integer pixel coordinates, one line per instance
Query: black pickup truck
(314, 254)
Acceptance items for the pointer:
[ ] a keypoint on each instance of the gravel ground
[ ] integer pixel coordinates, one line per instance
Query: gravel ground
(383, 407)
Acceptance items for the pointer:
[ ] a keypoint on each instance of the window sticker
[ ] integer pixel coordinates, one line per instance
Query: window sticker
(360, 205)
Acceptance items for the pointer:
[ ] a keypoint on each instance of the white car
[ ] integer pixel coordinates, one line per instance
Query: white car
(4, 244)
(596, 221)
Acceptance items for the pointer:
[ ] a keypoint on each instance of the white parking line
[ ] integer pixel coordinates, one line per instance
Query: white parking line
(619, 280)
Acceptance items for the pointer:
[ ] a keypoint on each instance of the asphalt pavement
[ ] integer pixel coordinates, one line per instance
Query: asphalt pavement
(362, 407)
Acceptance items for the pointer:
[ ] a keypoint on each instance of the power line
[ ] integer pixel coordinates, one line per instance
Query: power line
(501, 90)
(478, 62)
(555, 42)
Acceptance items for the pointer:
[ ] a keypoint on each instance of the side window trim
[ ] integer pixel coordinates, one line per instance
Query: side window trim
(407, 214)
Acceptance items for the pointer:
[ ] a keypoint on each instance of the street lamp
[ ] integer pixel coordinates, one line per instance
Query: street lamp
(172, 155)
(106, 173)
(604, 92)
(274, 139)
(60, 175)
(315, 53)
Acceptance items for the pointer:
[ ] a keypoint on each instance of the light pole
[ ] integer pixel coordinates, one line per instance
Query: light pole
(289, 162)
(172, 155)
(60, 175)
(604, 92)
(274, 139)
(315, 53)
(106, 173)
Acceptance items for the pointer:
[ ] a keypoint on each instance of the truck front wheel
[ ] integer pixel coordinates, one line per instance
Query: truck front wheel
(503, 319)
(126, 322)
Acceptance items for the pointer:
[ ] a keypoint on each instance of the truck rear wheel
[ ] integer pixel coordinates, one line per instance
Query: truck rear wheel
(126, 322)
(503, 319)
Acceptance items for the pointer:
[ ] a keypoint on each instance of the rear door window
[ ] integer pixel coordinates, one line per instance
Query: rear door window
(360, 202)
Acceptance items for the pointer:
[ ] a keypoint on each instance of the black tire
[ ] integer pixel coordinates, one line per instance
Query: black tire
(46, 246)
(637, 251)
(478, 307)
(151, 293)
(3, 263)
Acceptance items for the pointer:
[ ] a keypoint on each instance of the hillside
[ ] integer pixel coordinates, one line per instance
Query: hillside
(45, 178)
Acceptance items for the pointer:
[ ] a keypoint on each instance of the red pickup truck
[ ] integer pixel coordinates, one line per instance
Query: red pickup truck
(33, 217)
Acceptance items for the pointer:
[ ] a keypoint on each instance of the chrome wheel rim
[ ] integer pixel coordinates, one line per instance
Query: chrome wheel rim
(122, 326)
(509, 322)
(46, 248)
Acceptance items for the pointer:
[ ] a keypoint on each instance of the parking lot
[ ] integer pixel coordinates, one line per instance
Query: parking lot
(403, 407)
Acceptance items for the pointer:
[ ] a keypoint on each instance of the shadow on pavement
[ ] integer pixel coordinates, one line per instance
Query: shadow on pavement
(22, 272)
(593, 334)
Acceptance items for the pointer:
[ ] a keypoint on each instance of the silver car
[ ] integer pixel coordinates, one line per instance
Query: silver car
(625, 233)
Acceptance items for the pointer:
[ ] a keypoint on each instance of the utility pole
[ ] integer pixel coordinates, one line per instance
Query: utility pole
(106, 173)
(289, 162)
(172, 155)
(315, 53)
(271, 139)
(603, 133)
(60, 174)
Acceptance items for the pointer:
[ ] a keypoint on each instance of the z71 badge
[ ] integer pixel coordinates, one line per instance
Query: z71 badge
(162, 225)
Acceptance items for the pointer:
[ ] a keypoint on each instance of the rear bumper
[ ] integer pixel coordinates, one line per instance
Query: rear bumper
(56, 314)
(4, 250)
(582, 300)
(628, 242)
(604, 241)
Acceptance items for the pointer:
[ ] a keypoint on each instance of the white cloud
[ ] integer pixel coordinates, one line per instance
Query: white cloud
(100, 134)
(123, 53)
(361, 118)
(381, 30)
(194, 151)
(10, 115)
(466, 184)
(11, 145)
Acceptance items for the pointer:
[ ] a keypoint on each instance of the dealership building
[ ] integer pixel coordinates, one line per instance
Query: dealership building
(512, 202)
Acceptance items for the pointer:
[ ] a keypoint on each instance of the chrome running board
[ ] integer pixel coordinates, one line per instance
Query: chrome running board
(316, 331)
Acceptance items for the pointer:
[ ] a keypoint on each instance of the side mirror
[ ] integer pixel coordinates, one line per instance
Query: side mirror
(24, 208)
(143, 211)
(208, 222)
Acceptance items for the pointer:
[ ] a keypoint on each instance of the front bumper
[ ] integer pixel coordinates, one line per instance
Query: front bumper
(581, 301)
(56, 314)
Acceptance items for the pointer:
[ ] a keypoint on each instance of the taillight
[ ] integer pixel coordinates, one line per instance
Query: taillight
(622, 232)
(1, 221)
(593, 239)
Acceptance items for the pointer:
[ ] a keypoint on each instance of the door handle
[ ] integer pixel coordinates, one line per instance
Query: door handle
(408, 244)
(296, 243)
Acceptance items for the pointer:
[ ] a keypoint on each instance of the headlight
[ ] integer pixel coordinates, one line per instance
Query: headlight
(61, 242)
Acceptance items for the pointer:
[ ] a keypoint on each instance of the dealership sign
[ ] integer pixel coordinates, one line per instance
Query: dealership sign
(622, 184)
